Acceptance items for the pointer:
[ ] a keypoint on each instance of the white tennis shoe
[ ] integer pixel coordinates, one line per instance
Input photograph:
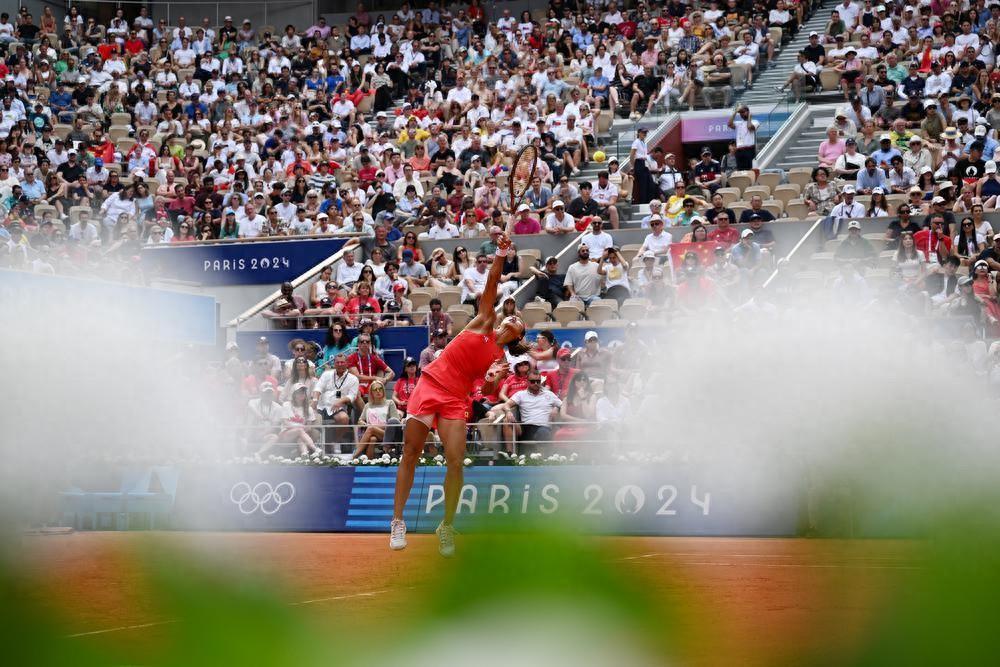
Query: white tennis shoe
(397, 535)
(446, 539)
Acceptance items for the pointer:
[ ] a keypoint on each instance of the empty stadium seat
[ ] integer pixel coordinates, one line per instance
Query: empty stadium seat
(599, 313)
(567, 312)
(729, 195)
(769, 178)
(581, 324)
(800, 176)
(763, 191)
(740, 180)
(634, 309)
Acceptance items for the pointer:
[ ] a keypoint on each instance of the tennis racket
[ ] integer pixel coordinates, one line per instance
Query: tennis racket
(521, 173)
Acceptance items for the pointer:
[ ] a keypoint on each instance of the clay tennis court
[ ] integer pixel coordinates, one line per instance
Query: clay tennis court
(753, 601)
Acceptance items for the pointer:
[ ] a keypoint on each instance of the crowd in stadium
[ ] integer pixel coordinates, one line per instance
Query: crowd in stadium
(396, 130)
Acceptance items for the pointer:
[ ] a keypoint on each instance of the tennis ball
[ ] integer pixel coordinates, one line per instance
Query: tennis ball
(599, 156)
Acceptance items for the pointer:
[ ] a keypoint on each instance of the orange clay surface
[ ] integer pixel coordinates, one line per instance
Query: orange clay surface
(752, 601)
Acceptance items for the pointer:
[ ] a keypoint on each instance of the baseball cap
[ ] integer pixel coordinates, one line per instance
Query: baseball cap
(523, 207)
(885, 137)
(878, 191)
(848, 189)
(649, 254)
(563, 354)
(558, 204)
(400, 288)
(98, 162)
(266, 386)
(915, 139)
(747, 232)
(980, 131)
(938, 200)
(590, 335)
(991, 167)
(322, 216)
(929, 103)
(996, 237)
(407, 254)
(551, 259)
(814, 34)
(854, 224)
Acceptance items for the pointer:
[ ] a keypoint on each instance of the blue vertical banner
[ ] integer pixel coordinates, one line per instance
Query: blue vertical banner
(247, 263)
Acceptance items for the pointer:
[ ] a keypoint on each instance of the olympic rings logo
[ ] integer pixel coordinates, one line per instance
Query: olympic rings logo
(261, 496)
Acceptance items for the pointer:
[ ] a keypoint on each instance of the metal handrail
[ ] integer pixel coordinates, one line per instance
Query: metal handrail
(257, 239)
(787, 258)
(297, 282)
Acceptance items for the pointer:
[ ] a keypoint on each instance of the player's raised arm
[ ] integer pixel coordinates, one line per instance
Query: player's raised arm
(487, 302)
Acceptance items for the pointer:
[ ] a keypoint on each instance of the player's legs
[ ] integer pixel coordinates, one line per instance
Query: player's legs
(452, 434)
(414, 437)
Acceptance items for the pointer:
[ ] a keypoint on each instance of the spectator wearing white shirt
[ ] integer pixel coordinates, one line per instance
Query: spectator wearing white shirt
(605, 193)
(441, 229)
(597, 239)
(537, 405)
(658, 241)
(559, 222)
(251, 224)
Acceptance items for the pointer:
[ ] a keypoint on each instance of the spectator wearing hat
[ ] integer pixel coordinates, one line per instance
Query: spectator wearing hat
(746, 254)
(981, 135)
(525, 223)
(855, 248)
(658, 240)
(917, 156)
(850, 162)
(847, 207)
(648, 274)
(413, 272)
(559, 222)
(592, 359)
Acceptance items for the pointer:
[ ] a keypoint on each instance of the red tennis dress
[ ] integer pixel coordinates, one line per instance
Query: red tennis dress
(446, 383)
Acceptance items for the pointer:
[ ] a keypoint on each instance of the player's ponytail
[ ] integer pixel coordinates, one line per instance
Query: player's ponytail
(518, 347)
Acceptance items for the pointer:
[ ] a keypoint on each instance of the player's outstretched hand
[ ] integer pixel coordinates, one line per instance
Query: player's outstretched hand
(499, 370)
(503, 242)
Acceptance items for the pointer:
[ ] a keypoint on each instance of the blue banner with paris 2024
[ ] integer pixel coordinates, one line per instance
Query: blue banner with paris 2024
(248, 263)
(681, 499)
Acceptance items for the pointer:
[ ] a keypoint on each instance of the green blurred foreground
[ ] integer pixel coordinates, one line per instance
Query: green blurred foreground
(529, 599)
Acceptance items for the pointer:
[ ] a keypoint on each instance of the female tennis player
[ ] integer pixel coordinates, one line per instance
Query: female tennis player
(441, 397)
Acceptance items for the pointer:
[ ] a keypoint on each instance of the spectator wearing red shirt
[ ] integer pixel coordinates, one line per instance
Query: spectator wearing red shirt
(558, 381)
(405, 385)
(525, 223)
(367, 365)
(516, 382)
(724, 232)
(134, 45)
(933, 239)
(258, 375)
(363, 297)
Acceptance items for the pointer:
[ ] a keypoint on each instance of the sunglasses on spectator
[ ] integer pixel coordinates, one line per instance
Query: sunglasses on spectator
(534, 381)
